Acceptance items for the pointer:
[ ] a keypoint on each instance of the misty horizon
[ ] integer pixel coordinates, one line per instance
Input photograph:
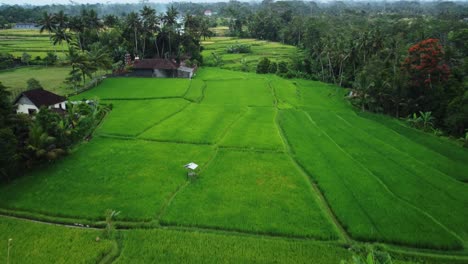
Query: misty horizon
(80, 2)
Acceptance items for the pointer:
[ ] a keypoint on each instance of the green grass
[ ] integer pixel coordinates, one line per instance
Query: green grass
(40, 243)
(249, 191)
(137, 88)
(195, 124)
(131, 117)
(256, 130)
(251, 92)
(134, 177)
(51, 78)
(167, 246)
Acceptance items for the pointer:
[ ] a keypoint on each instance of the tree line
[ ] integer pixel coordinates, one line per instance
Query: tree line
(400, 58)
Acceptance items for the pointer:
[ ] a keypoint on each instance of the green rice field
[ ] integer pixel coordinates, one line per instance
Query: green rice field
(288, 172)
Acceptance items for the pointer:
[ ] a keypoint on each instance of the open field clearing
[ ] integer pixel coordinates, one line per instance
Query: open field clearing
(256, 129)
(100, 176)
(288, 170)
(137, 88)
(51, 78)
(259, 49)
(251, 92)
(250, 191)
(195, 124)
(165, 246)
(43, 243)
(131, 117)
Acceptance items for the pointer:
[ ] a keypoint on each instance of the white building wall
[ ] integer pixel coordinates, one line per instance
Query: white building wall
(24, 104)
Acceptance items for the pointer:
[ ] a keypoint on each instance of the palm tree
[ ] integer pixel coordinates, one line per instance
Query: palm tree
(80, 63)
(59, 36)
(170, 23)
(41, 144)
(47, 23)
(362, 85)
(133, 21)
(62, 20)
(149, 25)
(100, 57)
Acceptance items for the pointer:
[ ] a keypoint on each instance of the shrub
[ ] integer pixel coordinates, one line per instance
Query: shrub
(33, 84)
(282, 67)
(238, 48)
(273, 67)
(263, 66)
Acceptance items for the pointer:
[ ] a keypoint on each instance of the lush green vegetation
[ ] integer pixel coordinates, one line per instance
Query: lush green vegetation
(251, 191)
(132, 117)
(50, 244)
(196, 90)
(99, 176)
(250, 92)
(382, 180)
(256, 129)
(195, 124)
(166, 246)
(245, 61)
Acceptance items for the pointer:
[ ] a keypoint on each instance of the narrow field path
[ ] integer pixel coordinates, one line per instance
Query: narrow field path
(326, 209)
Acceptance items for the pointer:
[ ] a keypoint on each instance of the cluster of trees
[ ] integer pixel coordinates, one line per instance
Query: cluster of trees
(399, 58)
(97, 44)
(27, 142)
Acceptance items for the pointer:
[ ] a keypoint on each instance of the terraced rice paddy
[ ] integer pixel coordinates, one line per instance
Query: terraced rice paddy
(288, 172)
(259, 49)
(16, 42)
